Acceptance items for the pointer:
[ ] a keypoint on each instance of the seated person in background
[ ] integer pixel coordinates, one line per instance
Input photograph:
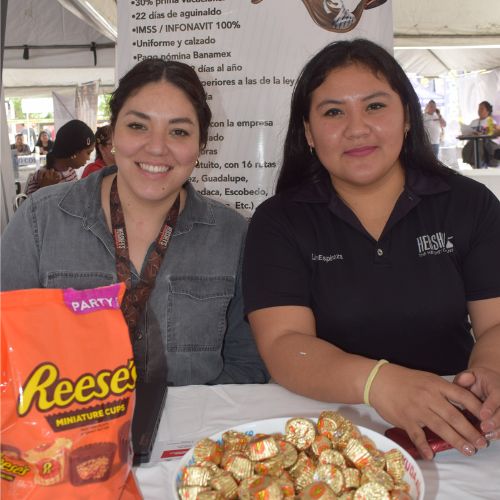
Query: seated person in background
(19, 148)
(371, 249)
(72, 149)
(433, 125)
(484, 125)
(104, 156)
(44, 144)
(178, 252)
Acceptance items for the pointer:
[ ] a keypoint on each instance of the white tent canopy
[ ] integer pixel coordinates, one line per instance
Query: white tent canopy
(431, 37)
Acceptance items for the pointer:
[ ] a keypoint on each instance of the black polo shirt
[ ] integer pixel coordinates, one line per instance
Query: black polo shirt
(403, 297)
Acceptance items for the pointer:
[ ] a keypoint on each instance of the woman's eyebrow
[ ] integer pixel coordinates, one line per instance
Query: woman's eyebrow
(145, 116)
(374, 95)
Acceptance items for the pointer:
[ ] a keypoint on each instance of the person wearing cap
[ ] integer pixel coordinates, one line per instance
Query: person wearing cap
(104, 154)
(72, 148)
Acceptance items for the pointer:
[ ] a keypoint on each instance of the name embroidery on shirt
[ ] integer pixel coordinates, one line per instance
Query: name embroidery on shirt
(434, 244)
(327, 258)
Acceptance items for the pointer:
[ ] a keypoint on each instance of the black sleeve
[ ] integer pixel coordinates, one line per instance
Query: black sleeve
(274, 271)
(481, 266)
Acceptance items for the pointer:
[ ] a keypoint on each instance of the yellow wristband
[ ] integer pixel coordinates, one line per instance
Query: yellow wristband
(369, 380)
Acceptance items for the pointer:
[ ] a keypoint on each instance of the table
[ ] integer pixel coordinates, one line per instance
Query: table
(476, 138)
(195, 412)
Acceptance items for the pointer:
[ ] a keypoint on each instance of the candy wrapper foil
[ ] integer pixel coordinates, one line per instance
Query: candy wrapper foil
(271, 467)
(288, 452)
(286, 485)
(240, 466)
(372, 474)
(352, 478)
(302, 471)
(234, 440)
(357, 453)
(333, 457)
(300, 432)
(258, 487)
(395, 465)
(317, 491)
(191, 492)
(262, 448)
(330, 424)
(195, 475)
(371, 491)
(207, 450)
(226, 485)
(320, 444)
(331, 475)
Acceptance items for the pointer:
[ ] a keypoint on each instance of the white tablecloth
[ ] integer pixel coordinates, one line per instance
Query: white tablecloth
(195, 412)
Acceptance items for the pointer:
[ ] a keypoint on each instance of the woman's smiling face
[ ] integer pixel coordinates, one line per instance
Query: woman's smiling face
(356, 126)
(157, 142)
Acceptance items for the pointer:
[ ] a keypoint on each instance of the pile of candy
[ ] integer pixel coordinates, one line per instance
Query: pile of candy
(327, 460)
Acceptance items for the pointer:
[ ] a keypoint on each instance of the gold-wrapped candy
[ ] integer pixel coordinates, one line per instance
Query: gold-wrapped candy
(295, 465)
(357, 453)
(352, 478)
(194, 475)
(210, 495)
(271, 467)
(240, 466)
(214, 468)
(207, 450)
(395, 465)
(372, 491)
(317, 491)
(286, 485)
(333, 457)
(331, 475)
(255, 488)
(300, 432)
(234, 440)
(262, 448)
(373, 474)
(321, 443)
(226, 485)
(288, 452)
(302, 471)
(191, 492)
(330, 424)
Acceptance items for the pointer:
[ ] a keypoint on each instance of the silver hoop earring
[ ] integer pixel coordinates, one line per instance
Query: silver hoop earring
(311, 150)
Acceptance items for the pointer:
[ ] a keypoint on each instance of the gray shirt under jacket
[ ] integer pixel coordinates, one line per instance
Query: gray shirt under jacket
(59, 238)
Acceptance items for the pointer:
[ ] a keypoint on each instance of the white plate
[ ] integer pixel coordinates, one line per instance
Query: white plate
(413, 474)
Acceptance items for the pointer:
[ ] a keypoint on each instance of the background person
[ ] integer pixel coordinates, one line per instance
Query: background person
(178, 252)
(19, 148)
(372, 250)
(483, 125)
(434, 124)
(72, 149)
(44, 144)
(103, 151)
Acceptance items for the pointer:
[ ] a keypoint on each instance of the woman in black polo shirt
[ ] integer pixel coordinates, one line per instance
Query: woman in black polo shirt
(372, 250)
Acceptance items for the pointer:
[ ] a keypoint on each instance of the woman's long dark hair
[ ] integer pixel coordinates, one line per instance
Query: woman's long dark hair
(155, 70)
(299, 165)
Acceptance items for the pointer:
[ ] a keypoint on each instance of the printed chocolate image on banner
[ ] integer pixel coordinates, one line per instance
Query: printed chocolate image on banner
(333, 15)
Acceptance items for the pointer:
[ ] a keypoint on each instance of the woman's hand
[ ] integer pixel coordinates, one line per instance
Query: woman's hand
(413, 399)
(485, 384)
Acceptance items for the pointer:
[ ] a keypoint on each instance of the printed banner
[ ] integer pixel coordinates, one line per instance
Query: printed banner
(248, 54)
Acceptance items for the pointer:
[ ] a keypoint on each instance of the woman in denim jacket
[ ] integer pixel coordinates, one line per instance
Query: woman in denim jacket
(62, 236)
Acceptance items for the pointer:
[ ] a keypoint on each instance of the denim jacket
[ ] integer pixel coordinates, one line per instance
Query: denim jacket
(59, 238)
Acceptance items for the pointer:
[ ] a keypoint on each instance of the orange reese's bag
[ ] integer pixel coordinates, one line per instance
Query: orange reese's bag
(67, 389)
